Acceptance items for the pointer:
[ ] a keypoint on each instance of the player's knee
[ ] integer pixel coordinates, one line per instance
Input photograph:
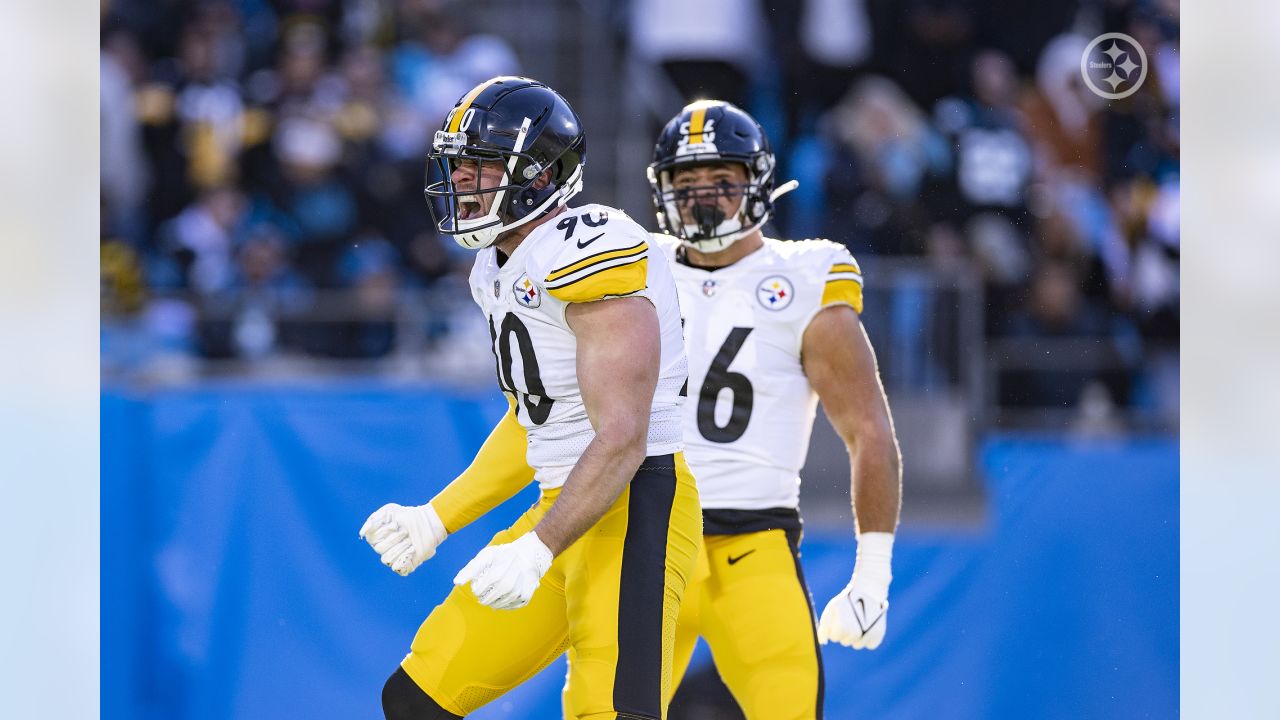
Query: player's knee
(402, 699)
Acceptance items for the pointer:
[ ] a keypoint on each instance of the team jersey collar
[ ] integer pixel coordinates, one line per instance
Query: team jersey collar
(514, 259)
(751, 259)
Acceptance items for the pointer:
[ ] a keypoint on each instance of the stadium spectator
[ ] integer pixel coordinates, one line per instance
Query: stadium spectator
(887, 158)
(437, 61)
(123, 166)
(199, 244)
(702, 59)
(966, 136)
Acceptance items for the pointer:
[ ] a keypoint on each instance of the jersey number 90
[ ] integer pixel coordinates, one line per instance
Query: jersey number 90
(513, 328)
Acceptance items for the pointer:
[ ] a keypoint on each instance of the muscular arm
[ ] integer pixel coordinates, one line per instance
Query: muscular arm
(618, 365)
(841, 366)
(497, 473)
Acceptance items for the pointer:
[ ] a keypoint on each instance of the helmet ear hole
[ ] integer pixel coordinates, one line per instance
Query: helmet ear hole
(542, 179)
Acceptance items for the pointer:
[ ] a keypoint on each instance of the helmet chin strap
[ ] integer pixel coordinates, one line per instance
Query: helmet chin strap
(491, 223)
(707, 218)
(728, 231)
(711, 221)
(486, 236)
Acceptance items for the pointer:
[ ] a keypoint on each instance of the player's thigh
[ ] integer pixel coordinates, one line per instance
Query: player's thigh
(623, 594)
(759, 623)
(466, 654)
(688, 623)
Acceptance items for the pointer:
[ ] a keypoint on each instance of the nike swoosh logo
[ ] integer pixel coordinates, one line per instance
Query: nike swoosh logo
(734, 560)
(860, 614)
(582, 244)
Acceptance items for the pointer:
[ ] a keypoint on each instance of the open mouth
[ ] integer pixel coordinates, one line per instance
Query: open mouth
(469, 207)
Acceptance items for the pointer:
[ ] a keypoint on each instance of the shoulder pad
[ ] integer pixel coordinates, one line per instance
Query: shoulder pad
(843, 277)
(603, 253)
(666, 244)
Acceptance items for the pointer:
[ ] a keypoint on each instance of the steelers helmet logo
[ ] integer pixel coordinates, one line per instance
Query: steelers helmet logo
(775, 292)
(526, 293)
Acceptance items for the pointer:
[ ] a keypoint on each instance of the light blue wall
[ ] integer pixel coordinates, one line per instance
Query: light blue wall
(234, 586)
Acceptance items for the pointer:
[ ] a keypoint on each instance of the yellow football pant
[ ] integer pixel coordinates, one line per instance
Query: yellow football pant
(748, 599)
(610, 599)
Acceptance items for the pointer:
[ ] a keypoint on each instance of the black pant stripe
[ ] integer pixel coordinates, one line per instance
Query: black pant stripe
(637, 683)
(402, 699)
(793, 540)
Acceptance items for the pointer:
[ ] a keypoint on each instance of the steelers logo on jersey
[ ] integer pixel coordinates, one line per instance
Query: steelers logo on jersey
(775, 292)
(526, 293)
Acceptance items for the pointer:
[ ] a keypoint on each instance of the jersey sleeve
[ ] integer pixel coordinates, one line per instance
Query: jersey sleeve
(498, 472)
(842, 281)
(601, 261)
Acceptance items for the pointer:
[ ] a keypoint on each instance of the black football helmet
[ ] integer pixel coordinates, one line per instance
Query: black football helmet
(713, 131)
(526, 126)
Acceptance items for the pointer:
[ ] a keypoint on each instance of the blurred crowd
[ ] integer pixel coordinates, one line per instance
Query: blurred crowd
(257, 154)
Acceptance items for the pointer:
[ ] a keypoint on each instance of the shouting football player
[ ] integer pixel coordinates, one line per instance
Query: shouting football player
(587, 345)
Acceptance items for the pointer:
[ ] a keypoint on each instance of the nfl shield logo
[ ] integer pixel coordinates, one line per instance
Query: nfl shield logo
(497, 288)
(709, 287)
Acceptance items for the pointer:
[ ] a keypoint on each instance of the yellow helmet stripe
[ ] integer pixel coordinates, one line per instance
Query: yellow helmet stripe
(455, 118)
(695, 124)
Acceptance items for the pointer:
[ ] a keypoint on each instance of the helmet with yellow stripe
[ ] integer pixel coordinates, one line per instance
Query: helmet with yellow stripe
(533, 144)
(713, 132)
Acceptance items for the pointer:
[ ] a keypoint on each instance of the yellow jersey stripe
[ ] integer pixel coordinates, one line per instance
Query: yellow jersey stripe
(593, 269)
(456, 118)
(848, 292)
(622, 279)
(596, 259)
(695, 124)
(845, 267)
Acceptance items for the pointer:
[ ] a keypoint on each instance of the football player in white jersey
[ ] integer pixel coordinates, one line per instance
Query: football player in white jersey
(771, 327)
(587, 346)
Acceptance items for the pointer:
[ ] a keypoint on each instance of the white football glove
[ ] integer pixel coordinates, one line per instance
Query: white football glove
(857, 615)
(405, 537)
(504, 577)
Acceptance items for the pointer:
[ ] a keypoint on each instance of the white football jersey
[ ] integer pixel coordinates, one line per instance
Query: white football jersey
(587, 253)
(750, 409)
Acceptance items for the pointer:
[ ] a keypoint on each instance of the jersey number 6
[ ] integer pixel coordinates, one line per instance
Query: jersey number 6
(538, 411)
(719, 377)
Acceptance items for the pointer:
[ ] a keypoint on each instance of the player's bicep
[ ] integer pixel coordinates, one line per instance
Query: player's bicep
(618, 361)
(841, 367)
